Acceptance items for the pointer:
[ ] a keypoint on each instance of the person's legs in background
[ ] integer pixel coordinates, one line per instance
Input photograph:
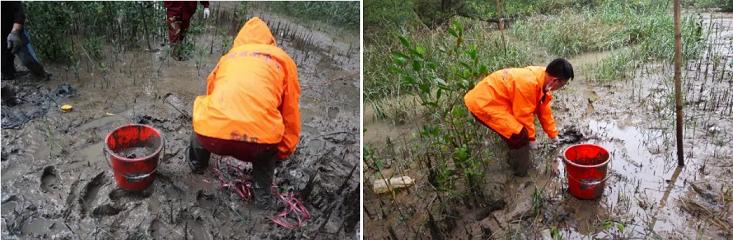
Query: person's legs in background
(8, 61)
(174, 21)
(27, 56)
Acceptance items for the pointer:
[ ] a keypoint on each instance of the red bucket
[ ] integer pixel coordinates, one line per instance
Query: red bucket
(132, 151)
(586, 166)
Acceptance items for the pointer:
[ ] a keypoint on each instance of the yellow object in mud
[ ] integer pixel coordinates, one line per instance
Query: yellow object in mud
(66, 108)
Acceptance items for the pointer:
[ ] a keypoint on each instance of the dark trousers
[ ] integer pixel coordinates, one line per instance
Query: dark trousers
(26, 54)
(178, 19)
(519, 158)
(262, 156)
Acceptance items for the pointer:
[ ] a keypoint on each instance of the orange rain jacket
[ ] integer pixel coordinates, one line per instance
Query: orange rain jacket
(507, 99)
(252, 93)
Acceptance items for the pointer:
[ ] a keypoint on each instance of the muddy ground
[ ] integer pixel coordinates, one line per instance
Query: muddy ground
(646, 195)
(56, 183)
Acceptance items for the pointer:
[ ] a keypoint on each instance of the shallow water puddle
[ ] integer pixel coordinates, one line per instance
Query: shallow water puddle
(641, 168)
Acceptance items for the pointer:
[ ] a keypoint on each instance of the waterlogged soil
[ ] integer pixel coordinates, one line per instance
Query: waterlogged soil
(136, 152)
(645, 195)
(56, 183)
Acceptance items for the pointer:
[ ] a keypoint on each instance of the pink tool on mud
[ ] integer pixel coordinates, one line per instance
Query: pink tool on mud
(294, 209)
(294, 214)
(241, 184)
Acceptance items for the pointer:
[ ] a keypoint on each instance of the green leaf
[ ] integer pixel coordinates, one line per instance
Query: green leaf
(425, 88)
(420, 50)
(452, 31)
(483, 70)
(417, 66)
(472, 53)
(399, 56)
(409, 80)
(399, 60)
(405, 42)
(393, 69)
(457, 28)
(432, 65)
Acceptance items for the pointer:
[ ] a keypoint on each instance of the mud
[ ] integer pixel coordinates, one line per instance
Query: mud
(57, 184)
(646, 195)
(136, 152)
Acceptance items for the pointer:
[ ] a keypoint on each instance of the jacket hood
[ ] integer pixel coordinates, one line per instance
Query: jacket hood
(255, 31)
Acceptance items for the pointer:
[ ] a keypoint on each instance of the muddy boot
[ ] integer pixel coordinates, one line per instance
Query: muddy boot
(175, 49)
(519, 160)
(262, 171)
(8, 96)
(198, 156)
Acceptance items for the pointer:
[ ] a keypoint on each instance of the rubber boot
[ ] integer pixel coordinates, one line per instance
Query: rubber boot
(198, 156)
(520, 160)
(263, 170)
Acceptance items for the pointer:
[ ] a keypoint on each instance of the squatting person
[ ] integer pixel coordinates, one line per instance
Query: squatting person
(250, 110)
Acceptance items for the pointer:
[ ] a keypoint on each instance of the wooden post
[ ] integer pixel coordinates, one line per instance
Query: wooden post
(678, 83)
(501, 24)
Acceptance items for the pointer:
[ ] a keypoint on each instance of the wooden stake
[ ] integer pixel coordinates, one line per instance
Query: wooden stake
(501, 24)
(678, 83)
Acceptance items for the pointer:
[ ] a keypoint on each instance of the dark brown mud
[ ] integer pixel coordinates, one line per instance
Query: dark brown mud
(646, 196)
(57, 184)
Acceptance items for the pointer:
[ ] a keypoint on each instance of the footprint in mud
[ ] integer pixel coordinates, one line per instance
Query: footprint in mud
(127, 196)
(333, 112)
(157, 229)
(205, 200)
(195, 229)
(106, 210)
(9, 205)
(90, 192)
(49, 180)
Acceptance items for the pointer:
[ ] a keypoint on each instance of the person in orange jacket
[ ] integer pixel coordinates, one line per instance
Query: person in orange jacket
(250, 110)
(507, 100)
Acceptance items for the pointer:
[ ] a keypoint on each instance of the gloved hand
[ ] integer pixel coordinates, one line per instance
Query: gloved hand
(206, 13)
(533, 145)
(14, 41)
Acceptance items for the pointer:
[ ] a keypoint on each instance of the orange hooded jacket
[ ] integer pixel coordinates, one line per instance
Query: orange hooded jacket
(252, 93)
(507, 99)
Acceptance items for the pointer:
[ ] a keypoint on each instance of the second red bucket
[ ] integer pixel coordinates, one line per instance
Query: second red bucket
(132, 151)
(586, 167)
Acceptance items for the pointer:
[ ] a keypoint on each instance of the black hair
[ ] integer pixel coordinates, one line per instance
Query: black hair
(560, 68)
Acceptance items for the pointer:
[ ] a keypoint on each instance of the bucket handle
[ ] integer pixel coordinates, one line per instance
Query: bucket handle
(608, 174)
(135, 178)
(588, 184)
